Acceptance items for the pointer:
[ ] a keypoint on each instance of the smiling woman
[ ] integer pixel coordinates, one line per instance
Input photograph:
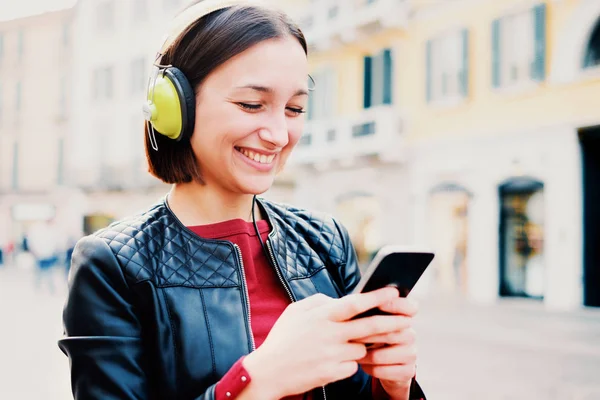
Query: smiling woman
(213, 293)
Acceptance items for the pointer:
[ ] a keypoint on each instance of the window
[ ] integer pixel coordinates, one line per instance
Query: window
(519, 47)
(140, 10)
(105, 15)
(305, 140)
(103, 84)
(62, 100)
(138, 77)
(447, 62)
(18, 96)
(378, 71)
(15, 166)
(592, 54)
(322, 98)
(60, 167)
(65, 35)
(20, 44)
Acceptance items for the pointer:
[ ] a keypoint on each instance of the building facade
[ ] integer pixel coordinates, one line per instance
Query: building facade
(489, 153)
(35, 82)
(351, 161)
(466, 126)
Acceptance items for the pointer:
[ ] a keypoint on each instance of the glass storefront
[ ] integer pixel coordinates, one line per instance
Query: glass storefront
(448, 234)
(522, 270)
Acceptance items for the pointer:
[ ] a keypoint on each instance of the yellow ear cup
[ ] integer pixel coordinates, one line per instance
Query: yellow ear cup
(165, 108)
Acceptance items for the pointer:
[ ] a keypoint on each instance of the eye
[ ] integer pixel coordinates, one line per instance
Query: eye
(296, 111)
(250, 107)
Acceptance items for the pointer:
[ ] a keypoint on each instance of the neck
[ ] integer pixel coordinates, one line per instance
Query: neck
(196, 204)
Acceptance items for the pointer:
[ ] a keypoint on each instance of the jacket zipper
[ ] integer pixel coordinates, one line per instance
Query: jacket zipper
(246, 295)
(279, 275)
(287, 289)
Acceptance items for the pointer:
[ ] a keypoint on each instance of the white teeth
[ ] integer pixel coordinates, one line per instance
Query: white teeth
(260, 158)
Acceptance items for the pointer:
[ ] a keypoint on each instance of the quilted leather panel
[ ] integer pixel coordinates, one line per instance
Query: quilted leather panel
(155, 246)
(303, 241)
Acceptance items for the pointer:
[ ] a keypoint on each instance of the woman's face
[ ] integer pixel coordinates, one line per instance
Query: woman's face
(249, 116)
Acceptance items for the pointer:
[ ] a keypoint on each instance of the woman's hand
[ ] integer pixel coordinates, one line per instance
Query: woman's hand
(393, 357)
(314, 343)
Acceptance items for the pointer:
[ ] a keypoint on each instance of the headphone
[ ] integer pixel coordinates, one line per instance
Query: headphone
(170, 107)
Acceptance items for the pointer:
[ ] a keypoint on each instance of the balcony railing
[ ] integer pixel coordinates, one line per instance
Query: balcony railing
(336, 22)
(377, 131)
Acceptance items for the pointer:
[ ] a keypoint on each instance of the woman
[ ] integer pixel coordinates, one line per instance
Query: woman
(211, 293)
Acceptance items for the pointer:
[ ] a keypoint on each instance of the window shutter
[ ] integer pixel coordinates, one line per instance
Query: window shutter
(388, 71)
(496, 53)
(538, 67)
(428, 81)
(464, 77)
(367, 81)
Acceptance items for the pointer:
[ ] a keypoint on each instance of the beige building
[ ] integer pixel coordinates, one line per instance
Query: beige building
(35, 103)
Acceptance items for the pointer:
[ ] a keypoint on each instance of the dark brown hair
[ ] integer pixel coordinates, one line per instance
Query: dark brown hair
(199, 50)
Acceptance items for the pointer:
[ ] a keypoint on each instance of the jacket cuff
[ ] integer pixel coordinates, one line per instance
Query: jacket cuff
(233, 382)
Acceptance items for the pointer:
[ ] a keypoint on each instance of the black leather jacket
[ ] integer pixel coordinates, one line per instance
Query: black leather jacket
(156, 312)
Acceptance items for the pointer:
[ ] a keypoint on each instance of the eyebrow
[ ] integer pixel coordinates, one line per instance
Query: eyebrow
(265, 89)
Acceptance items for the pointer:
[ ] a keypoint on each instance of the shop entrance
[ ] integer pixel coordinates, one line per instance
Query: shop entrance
(590, 150)
(522, 269)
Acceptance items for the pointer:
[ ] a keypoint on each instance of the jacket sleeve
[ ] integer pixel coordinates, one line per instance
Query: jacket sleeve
(103, 335)
(349, 276)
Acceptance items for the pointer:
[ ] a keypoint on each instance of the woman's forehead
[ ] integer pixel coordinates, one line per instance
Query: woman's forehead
(266, 63)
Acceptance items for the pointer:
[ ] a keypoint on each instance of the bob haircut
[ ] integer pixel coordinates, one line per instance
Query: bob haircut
(205, 45)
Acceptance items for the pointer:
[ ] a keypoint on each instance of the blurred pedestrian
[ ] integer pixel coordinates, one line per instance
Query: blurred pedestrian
(10, 253)
(191, 299)
(43, 245)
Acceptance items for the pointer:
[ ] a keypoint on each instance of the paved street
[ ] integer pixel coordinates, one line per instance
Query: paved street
(514, 350)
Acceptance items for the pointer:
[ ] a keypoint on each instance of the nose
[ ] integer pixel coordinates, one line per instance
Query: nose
(275, 131)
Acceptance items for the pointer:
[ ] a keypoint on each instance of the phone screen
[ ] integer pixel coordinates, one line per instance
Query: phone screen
(394, 267)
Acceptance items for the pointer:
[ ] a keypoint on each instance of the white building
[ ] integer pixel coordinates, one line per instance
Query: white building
(35, 103)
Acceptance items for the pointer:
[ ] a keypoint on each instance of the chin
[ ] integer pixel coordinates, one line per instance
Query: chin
(255, 185)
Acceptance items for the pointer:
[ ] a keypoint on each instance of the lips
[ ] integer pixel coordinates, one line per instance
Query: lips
(255, 156)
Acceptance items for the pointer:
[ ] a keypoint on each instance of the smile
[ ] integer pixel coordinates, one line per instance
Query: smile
(256, 157)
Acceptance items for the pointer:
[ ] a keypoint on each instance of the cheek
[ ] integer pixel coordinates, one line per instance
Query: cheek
(295, 133)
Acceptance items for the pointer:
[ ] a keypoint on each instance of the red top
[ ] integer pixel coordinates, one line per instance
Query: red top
(268, 298)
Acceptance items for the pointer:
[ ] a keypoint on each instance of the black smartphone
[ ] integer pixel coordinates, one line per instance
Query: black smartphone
(400, 267)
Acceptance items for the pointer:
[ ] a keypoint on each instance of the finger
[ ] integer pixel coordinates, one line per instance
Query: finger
(338, 371)
(400, 306)
(399, 373)
(391, 355)
(351, 305)
(406, 336)
(354, 352)
(312, 302)
(375, 326)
